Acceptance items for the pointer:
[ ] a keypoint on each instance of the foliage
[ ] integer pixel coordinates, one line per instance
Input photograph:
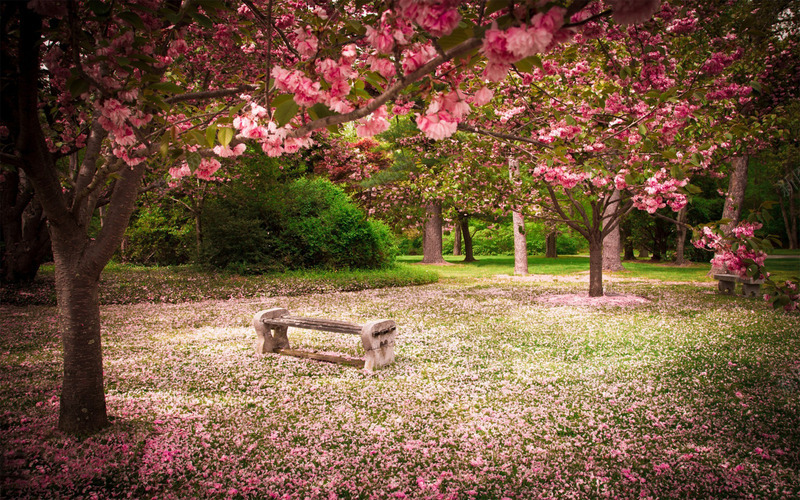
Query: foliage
(306, 224)
(159, 234)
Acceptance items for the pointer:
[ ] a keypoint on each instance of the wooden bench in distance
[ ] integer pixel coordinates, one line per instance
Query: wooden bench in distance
(727, 284)
(377, 337)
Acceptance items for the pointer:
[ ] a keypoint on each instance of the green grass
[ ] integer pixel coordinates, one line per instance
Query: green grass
(488, 266)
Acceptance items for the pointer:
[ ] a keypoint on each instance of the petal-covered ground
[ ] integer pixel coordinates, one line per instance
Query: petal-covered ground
(495, 393)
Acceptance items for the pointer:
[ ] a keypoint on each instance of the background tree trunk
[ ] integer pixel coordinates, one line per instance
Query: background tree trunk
(469, 256)
(551, 251)
(790, 219)
(432, 240)
(680, 238)
(520, 244)
(595, 265)
(612, 243)
(23, 230)
(457, 239)
(735, 198)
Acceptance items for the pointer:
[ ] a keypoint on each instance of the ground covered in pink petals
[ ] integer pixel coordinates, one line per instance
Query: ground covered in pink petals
(495, 393)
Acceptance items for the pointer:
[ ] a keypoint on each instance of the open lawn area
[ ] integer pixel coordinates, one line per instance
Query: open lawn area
(495, 393)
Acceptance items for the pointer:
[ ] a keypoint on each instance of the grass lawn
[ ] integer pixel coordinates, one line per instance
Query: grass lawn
(493, 394)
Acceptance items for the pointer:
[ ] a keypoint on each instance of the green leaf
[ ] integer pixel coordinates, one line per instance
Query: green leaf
(211, 133)
(202, 20)
(677, 172)
(459, 35)
(642, 129)
(692, 189)
(526, 65)
(164, 146)
(78, 86)
(285, 112)
(99, 8)
(131, 18)
(495, 5)
(570, 120)
(280, 99)
(670, 154)
(193, 159)
(225, 135)
(319, 110)
(167, 87)
(375, 80)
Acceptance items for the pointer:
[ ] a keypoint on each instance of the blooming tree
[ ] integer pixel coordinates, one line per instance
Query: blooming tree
(128, 83)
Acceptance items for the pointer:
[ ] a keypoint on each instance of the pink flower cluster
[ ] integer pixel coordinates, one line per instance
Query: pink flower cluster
(375, 123)
(661, 190)
(560, 175)
(502, 48)
(443, 115)
(734, 260)
(437, 17)
(272, 138)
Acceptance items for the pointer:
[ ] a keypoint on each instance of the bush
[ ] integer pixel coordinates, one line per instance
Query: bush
(306, 224)
(161, 235)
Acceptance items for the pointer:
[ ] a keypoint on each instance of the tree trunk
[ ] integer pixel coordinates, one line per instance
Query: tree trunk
(23, 230)
(790, 220)
(457, 239)
(732, 208)
(432, 241)
(595, 265)
(520, 244)
(612, 243)
(469, 256)
(680, 238)
(83, 404)
(551, 251)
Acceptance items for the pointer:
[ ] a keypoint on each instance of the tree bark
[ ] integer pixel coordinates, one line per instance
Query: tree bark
(595, 265)
(469, 256)
(789, 220)
(551, 251)
(680, 238)
(612, 243)
(83, 405)
(457, 239)
(520, 244)
(23, 230)
(518, 223)
(432, 241)
(732, 208)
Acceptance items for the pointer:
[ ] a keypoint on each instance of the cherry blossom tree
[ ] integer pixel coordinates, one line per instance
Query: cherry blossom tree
(129, 83)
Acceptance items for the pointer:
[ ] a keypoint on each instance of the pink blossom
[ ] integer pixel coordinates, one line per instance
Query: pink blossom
(437, 126)
(482, 96)
(381, 40)
(633, 11)
(373, 124)
(384, 67)
(206, 169)
(227, 152)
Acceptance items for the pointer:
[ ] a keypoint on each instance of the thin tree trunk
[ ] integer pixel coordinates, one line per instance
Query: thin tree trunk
(680, 242)
(551, 251)
(612, 244)
(432, 241)
(520, 244)
(469, 256)
(789, 220)
(457, 239)
(732, 208)
(595, 266)
(518, 223)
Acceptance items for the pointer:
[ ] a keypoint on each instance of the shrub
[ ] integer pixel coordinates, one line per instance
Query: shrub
(305, 224)
(161, 234)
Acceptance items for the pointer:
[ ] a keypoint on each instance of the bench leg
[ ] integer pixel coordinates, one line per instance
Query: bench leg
(727, 286)
(751, 289)
(270, 339)
(378, 339)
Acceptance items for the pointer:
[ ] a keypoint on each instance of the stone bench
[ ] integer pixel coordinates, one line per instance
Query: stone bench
(377, 337)
(751, 287)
